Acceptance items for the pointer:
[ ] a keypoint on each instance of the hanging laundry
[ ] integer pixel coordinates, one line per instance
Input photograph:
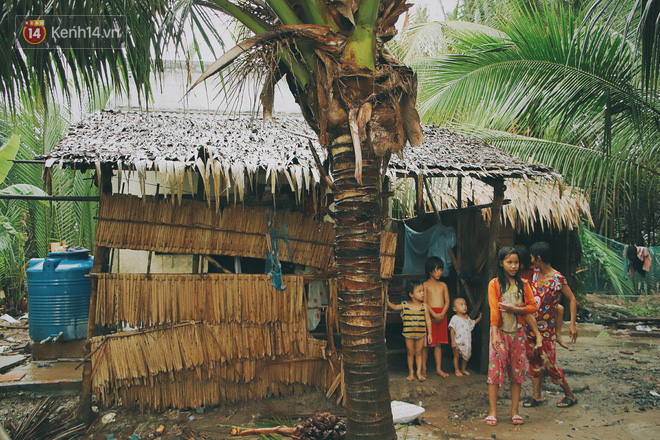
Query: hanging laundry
(317, 295)
(434, 242)
(273, 265)
(637, 258)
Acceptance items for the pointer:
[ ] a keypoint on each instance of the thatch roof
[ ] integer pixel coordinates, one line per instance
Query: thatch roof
(242, 145)
(534, 204)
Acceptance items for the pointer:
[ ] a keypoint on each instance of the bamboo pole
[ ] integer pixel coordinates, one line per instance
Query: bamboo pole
(216, 264)
(491, 265)
(85, 406)
(149, 262)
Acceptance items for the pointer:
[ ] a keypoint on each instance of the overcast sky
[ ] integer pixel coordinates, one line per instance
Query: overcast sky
(435, 7)
(169, 95)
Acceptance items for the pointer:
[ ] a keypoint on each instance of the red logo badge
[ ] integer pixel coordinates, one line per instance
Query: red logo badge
(34, 31)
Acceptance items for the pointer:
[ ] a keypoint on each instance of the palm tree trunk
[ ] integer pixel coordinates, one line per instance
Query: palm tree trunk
(361, 301)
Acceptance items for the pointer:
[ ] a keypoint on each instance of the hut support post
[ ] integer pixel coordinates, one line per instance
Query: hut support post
(491, 266)
(419, 204)
(101, 264)
(459, 231)
(455, 261)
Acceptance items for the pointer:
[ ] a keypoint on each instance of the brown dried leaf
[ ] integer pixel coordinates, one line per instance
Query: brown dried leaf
(411, 122)
(357, 146)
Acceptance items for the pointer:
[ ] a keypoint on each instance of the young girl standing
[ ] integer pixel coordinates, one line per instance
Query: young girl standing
(510, 300)
(416, 326)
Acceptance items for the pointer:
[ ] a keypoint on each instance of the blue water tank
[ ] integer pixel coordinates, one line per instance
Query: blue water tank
(58, 294)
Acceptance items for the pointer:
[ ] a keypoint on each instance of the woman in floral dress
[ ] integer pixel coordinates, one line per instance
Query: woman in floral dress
(548, 285)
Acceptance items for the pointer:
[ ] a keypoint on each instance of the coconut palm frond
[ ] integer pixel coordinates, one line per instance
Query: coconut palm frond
(610, 262)
(144, 27)
(7, 153)
(533, 75)
(641, 26)
(561, 86)
(594, 170)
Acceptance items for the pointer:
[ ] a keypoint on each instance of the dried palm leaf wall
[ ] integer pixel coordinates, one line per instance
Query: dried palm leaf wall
(139, 299)
(203, 339)
(191, 227)
(246, 341)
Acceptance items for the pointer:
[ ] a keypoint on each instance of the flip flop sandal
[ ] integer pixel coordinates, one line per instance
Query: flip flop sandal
(566, 402)
(491, 420)
(532, 402)
(517, 420)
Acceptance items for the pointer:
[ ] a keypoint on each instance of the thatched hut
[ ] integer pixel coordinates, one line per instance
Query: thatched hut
(188, 195)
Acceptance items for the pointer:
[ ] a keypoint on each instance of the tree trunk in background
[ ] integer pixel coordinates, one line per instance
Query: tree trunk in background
(361, 302)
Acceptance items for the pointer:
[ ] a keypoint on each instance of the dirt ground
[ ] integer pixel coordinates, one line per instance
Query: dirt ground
(614, 374)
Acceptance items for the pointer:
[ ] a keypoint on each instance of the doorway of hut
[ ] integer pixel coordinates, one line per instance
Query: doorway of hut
(395, 289)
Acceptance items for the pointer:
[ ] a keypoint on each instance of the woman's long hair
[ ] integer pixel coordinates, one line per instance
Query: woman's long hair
(501, 276)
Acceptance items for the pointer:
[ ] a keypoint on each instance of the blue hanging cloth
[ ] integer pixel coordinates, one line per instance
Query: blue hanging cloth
(273, 265)
(434, 242)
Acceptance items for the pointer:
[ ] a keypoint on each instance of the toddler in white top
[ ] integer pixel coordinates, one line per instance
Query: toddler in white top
(460, 328)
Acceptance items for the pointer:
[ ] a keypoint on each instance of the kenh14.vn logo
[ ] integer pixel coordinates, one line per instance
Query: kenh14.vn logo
(34, 31)
(71, 32)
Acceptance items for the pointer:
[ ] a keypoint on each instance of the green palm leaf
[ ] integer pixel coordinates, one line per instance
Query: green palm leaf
(555, 85)
(7, 154)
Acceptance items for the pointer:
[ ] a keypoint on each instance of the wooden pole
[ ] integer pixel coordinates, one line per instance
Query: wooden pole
(216, 264)
(491, 266)
(419, 204)
(459, 232)
(101, 265)
(149, 254)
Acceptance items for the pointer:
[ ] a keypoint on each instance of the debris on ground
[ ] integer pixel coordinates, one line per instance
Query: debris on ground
(47, 421)
(322, 426)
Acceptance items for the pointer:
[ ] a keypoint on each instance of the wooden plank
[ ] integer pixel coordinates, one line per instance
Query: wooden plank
(10, 361)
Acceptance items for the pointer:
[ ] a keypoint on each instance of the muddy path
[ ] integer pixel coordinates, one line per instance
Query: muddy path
(615, 376)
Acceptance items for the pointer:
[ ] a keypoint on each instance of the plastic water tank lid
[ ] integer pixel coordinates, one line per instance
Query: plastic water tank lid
(71, 252)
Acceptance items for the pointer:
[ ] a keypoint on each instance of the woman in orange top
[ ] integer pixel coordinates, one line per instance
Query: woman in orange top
(511, 305)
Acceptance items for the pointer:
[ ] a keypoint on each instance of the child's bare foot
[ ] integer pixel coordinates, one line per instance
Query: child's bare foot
(410, 377)
(458, 373)
(442, 373)
(560, 341)
(539, 342)
(465, 372)
(421, 377)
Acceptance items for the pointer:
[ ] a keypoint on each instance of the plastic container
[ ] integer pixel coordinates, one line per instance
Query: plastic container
(58, 295)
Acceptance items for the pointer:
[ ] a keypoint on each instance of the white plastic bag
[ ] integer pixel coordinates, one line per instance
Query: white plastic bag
(403, 412)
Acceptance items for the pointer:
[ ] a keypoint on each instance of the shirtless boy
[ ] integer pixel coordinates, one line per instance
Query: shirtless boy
(436, 298)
